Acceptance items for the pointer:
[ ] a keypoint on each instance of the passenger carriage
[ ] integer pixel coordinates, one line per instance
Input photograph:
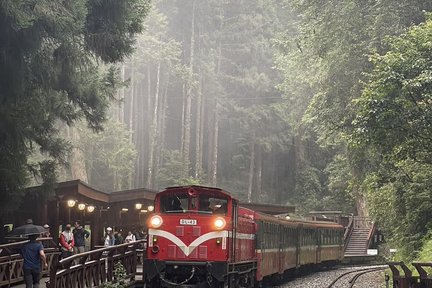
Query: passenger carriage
(201, 237)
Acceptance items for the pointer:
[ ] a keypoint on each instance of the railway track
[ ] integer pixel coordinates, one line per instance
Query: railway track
(339, 277)
(358, 273)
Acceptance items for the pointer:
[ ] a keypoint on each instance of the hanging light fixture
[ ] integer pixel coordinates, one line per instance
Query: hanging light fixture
(81, 206)
(124, 209)
(150, 208)
(90, 208)
(138, 206)
(71, 203)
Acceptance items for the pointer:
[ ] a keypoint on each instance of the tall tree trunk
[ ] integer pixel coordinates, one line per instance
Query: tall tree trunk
(140, 138)
(161, 130)
(251, 168)
(361, 204)
(215, 137)
(78, 167)
(215, 146)
(122, 95)
(188, 110)
(154, 131)
(131, 104)
(210, 141)
(182, 143)
(146, 152)
(257, 190)
(132, 136)
(198, 134)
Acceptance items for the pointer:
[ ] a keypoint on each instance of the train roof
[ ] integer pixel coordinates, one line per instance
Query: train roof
(197, 188)
(294, 222)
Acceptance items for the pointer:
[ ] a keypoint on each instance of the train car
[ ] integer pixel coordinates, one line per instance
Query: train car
(284, 245)
(201, 237)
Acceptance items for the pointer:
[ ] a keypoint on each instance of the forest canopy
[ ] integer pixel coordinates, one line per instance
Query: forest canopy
(50, 70)
(325, 105)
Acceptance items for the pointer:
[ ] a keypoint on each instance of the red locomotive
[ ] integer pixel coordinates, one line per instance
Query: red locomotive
(201, 237)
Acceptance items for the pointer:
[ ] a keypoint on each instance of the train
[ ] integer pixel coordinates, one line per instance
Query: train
(202, 237)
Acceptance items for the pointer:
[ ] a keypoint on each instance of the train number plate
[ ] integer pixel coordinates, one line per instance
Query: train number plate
(188, 222)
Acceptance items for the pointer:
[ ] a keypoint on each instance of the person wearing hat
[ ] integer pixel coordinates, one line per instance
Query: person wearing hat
(67, 242)
(109, 237)
(46, 233)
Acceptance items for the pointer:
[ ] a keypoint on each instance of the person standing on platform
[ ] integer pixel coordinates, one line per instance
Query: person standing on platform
(80, 234)
(32, 253)
(130, 237)
(67, 242)
(47, 231)
(109, 238)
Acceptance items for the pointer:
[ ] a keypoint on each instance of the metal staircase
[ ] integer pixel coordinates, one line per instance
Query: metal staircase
(358, 238)
(357, 244)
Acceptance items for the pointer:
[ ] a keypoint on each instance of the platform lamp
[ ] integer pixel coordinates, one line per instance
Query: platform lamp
(82, 208)
(70, 203)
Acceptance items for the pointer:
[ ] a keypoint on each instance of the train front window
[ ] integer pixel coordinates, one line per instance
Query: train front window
(212, 205)
(177, 203)
(182, 202)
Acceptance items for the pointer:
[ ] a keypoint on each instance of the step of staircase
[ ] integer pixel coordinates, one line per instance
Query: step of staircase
(357, 242)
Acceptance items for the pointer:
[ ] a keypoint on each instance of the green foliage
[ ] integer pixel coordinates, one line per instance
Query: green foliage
(49, 71)
(171, 173)
(397, 100)
(394, 121)
(323, 58)
(309, 190)
(109, 156)
(119, 277)
(426, 251)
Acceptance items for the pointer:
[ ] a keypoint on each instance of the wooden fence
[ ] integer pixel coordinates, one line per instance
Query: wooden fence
(89, 269)
(11, 262)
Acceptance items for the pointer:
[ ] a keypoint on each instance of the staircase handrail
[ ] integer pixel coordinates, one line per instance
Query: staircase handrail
(371, 234)
(362, 222)
(348, 232)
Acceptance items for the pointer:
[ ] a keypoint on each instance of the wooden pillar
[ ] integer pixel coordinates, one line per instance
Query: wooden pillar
(96, 228)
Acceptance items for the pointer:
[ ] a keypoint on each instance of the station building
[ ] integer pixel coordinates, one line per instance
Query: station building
(96, 210)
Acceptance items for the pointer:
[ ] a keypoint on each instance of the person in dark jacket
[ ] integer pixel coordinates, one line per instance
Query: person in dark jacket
(32, 253)
(80, 234)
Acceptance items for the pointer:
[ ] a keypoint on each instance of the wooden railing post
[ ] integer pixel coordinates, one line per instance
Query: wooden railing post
(95, 267)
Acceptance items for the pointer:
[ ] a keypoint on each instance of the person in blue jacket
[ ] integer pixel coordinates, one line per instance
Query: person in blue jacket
(80, 234)
(32, 253)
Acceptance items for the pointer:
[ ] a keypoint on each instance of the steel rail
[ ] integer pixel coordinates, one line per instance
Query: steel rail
(352, 281)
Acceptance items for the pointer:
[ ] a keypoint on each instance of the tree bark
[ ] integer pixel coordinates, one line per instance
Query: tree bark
(154, 130)
(188, 110)
(258, 175)
(251, 168)
(131, 106)
(121, 116)
(161, 131)
(198, 134)
(214, 158)
(78, 167)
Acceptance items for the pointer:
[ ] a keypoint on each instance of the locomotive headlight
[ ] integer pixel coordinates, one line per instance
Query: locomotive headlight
(156, 221)
(219, 223)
